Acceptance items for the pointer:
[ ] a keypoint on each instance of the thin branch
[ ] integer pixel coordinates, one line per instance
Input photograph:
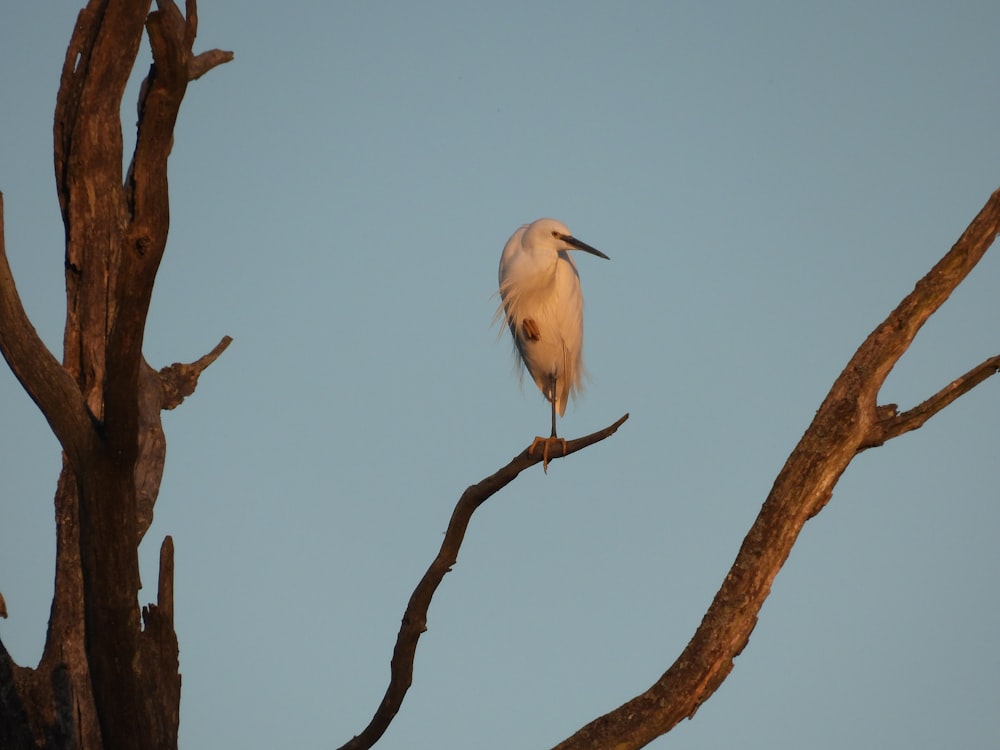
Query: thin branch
(801, 490)
(893, 425)
(200, 64)
(415, 617)
(39, 372)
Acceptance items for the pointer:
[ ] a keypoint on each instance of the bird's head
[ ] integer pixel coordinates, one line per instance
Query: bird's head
(552, 235)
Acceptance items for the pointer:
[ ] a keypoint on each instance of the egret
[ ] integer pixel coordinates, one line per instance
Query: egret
(541, 301)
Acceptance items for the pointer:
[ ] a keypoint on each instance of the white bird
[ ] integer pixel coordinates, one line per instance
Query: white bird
(541, 301)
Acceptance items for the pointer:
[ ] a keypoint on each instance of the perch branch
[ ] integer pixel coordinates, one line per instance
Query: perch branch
(415, 617)
(842, 425)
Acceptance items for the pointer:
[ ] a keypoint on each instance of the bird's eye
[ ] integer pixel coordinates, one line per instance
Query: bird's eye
(555, 233)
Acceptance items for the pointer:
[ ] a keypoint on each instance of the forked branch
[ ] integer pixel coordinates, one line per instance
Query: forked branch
(415, 617)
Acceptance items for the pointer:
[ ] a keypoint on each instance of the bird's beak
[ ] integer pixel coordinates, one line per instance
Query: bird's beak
(577, 245)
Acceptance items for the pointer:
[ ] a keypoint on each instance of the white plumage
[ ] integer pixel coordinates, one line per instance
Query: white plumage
(541, 300)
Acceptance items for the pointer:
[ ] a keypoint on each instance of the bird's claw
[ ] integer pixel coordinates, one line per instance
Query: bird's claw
(546, 448)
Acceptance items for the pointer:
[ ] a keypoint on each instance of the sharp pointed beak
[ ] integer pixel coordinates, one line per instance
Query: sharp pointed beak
(577, 245)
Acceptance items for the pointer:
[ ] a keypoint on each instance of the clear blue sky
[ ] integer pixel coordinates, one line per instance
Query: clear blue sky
(769, 180)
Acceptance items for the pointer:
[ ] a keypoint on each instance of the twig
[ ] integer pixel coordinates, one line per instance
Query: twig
(893, 425)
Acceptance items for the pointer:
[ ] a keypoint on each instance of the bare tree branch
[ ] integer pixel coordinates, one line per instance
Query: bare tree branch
(414, 622)
(49, 385)
(890, 424)
(201, 64)
(179, 380)
(842, 426)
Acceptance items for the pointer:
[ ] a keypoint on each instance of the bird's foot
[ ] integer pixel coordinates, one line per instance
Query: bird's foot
(547, 444)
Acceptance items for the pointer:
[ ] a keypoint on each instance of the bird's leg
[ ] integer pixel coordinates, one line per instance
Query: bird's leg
(552, 400)
(554, 438)
(549, 441)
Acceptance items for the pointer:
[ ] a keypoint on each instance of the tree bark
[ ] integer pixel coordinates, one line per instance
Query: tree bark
(108, 676)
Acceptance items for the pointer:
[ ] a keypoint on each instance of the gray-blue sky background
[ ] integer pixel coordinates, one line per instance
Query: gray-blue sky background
(769, 181)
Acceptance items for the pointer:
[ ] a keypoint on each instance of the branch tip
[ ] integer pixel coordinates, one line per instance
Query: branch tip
(200, 64)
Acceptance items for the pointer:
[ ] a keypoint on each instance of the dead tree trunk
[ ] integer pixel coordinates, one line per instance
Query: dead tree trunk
(108, 677)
